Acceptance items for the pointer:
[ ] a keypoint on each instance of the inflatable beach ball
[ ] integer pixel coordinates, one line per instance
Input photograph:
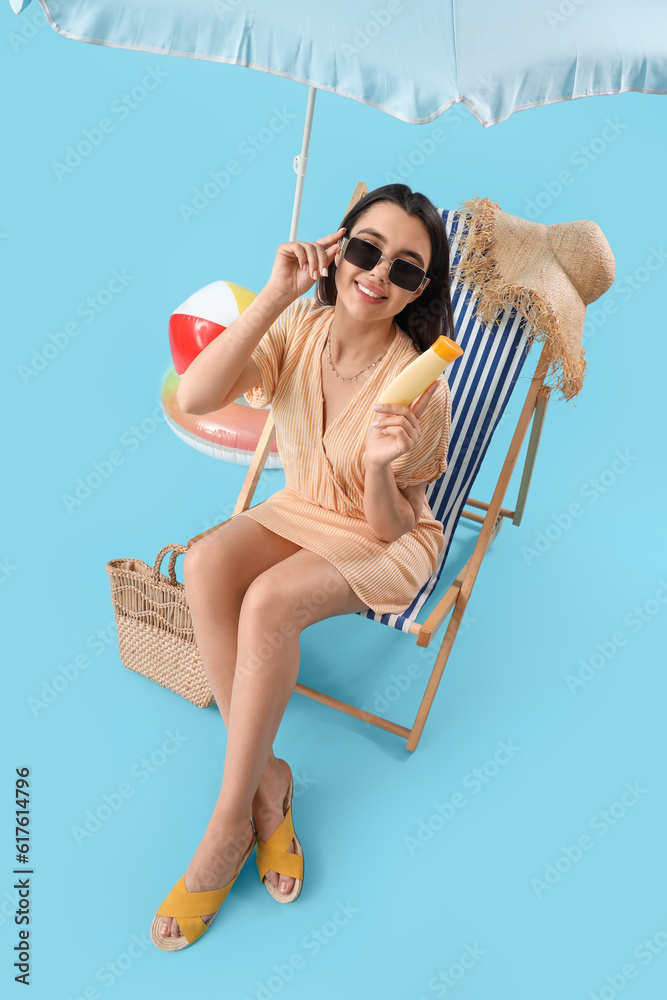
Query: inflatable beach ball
(231, 433)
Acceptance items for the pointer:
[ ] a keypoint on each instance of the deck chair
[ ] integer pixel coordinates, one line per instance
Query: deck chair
(481, 383)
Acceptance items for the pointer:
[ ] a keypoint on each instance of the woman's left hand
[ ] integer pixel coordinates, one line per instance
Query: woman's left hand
(397, 430)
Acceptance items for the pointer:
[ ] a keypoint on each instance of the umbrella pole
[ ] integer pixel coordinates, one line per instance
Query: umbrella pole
(301, 162)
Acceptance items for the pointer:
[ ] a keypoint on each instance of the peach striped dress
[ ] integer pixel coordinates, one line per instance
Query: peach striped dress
(321, 506)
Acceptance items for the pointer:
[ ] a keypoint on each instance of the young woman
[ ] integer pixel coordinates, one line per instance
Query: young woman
(350, 531)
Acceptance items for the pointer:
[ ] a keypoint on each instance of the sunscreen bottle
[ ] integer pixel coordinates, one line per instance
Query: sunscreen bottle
(418, 375)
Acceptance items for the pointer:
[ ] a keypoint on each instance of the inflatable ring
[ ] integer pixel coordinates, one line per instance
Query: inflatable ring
(231, 433)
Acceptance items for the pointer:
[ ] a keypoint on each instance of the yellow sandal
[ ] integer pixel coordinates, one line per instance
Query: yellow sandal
(189, 907)
(274, 854)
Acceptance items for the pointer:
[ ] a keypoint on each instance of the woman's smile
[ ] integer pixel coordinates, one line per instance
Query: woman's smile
(368, 292)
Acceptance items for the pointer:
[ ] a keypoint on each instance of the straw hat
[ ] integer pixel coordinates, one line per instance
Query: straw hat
(548, 273)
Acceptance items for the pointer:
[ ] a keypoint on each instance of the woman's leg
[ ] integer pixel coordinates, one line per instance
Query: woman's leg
(277, 606)
(218, 569)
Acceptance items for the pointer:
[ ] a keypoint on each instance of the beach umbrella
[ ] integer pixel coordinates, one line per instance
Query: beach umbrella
(413, 60)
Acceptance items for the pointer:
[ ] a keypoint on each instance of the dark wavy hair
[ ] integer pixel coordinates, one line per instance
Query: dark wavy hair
(430, 315)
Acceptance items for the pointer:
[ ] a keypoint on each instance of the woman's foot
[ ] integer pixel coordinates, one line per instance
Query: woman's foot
(214, 864)
(267, 813)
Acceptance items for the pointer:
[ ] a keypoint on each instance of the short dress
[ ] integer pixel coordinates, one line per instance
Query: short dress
(321, 507)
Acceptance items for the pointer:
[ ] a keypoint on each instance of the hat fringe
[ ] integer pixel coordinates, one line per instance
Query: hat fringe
(478, 267)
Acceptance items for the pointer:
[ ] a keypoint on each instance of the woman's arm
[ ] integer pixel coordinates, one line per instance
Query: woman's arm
(209, 377)
(389, 512)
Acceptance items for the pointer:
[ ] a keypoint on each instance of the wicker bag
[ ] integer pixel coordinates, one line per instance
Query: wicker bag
(155, 633)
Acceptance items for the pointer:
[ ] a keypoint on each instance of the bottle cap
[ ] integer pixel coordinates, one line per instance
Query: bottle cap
(447, 349)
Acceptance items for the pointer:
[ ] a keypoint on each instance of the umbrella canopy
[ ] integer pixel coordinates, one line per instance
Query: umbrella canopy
(412, 59)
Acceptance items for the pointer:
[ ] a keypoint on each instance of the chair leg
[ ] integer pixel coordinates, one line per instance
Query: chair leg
(444, 651)
(436, 674)
(488, 530)
(531, 453)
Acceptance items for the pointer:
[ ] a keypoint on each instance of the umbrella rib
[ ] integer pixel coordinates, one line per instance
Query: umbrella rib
(456, 53)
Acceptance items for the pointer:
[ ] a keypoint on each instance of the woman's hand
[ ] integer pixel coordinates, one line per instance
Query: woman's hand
(299, 263)
(397, 430)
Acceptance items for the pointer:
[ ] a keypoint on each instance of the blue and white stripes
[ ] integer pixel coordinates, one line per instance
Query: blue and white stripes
(481, 383)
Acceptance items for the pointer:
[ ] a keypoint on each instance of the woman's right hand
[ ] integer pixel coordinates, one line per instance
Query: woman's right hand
(299, 264)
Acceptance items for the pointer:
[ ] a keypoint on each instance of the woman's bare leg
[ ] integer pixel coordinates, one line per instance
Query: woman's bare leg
(276, 607)
(279, 604)
(218, 570)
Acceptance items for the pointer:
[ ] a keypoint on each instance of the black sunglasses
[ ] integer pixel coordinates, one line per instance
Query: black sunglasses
(363, 254)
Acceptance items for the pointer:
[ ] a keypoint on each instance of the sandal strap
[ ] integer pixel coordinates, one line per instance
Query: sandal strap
(189, 907)
(273, 854)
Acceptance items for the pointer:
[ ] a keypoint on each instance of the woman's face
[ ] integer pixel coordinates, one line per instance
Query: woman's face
(397, 234)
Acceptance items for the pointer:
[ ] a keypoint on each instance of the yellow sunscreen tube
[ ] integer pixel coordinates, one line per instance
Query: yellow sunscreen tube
(420, 373)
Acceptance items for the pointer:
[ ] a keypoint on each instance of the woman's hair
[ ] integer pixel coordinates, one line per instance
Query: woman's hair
(430, 315)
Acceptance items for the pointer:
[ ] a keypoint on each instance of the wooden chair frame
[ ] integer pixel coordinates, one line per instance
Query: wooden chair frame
(458, 593)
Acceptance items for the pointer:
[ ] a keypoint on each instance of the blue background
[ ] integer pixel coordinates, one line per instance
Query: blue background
(393, 917)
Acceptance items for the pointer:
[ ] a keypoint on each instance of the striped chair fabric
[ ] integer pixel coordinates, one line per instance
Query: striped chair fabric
(481, 382)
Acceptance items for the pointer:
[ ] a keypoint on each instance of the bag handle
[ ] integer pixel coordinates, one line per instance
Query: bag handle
(172, 560)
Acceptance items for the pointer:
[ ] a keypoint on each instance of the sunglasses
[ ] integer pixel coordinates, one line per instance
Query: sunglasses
(363, 254)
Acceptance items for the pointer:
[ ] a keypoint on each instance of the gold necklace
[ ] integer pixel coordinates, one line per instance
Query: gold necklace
(353, 377)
